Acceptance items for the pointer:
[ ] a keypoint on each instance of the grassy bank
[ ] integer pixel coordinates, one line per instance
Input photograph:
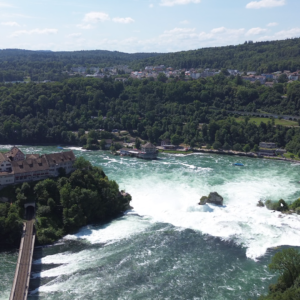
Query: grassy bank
(258, 120)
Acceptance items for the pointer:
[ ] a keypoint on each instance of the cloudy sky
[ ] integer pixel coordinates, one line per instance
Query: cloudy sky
(144, 25)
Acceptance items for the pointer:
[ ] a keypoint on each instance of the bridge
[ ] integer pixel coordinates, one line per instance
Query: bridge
(23, 269)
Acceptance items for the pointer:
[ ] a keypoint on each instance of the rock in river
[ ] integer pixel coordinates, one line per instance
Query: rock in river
(213, 198)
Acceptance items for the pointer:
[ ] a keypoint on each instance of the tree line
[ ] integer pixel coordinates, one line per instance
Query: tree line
(16, 64)
(262, 57)
(195, 112)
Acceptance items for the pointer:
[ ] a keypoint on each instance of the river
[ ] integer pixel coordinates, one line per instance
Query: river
(169, 247)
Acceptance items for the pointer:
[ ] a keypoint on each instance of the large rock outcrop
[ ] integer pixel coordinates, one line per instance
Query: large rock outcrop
(213, 198)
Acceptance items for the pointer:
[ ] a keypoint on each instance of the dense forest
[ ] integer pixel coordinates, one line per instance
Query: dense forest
(17, 64)
(155, 110)
(260, 56)
(64, 204)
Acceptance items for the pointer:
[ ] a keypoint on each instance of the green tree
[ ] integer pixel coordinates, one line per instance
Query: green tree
(137, 143)
(287, 264)
(162, 77)
(246, 148)
(175, 139)
(237, 147)
(82, 164)
(217, 145)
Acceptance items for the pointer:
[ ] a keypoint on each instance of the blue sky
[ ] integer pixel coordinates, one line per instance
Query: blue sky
(144, 25)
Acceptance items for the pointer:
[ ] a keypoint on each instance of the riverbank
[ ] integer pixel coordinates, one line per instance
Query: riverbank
(245, 154)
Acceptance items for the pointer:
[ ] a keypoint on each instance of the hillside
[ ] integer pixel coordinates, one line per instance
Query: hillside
(15, 64)
(156, 110)
(261, 57)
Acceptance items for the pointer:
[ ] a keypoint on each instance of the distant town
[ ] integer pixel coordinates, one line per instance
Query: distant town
(267, 79)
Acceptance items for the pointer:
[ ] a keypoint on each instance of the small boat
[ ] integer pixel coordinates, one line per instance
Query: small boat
(61, 148)
(238, 164)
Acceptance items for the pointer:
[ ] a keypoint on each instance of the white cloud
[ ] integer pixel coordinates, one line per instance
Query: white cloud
(190, 38)
(12, 24)
(272, 24)
(34, 31)
(85, 26)
(283, 34)
(74, 35)
(265, 3)
(10, 16)
(3, 4)
(123, 20)
(218, 30)
(185, 22)
(177, 2)
(95, 17)
(151, 5)
(255, 31)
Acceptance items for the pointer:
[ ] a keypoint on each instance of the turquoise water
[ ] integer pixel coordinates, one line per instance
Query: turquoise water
(169, 247)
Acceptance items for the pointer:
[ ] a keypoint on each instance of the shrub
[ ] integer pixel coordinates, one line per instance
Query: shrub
(237, 147)
(217, 145)
(226, 146)
(246, 148)
(295, 204)
(43, 211)
(280, 205)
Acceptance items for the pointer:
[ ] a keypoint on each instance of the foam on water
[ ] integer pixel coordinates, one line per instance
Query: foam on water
(168, 190)
(116, 230)
(257, 229)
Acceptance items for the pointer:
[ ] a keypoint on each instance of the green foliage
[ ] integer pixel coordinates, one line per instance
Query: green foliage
(175, 139)
(295, 204)
(137, 143)
(217, 145)
(246, 148)
(10, 225)
(81, 163)
(153, 109)
(203, 200)
(260, 56)
(255, 148)
(280, 205)
(237, 147)
(64, 204)
(16, 64)
(287, 264)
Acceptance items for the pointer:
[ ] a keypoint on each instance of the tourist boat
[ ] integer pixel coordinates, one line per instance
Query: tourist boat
(238, 164)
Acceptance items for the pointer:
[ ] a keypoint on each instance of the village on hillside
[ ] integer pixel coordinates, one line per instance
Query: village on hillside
(123, 72)
(267, 79)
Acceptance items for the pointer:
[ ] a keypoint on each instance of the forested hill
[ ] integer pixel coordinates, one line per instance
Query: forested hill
(261, 57)
(15, 64)
(155, 110)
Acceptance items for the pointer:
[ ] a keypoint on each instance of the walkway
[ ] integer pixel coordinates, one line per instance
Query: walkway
(23, 269)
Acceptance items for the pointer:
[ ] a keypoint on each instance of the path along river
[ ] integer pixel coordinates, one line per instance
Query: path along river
(168, 247)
